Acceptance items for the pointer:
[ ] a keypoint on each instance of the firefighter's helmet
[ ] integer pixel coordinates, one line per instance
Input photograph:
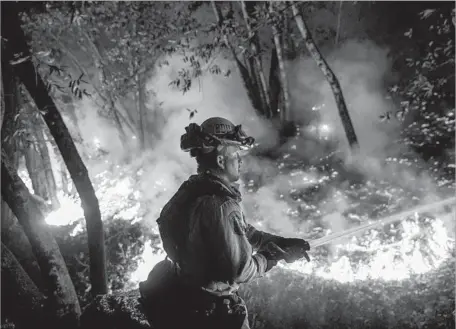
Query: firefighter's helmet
(212, 133)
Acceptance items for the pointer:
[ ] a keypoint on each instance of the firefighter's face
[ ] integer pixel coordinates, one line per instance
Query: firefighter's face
(230, 162)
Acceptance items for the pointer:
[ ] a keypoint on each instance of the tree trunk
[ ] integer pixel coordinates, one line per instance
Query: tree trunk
(35, 170)
(38, 161)
(285, 111)
(22, 302)
(274, 83)
(247, 81)
(2, 100)
(339, 16)
(14, 237)
(63, 173)
(139, 98)
(330, 76)
(254, 45)
(69, 109)
(11, 110)
(37, 89)
(47, 166)
(62, 295)
(256, 89)
(290, 51)
(123, 136)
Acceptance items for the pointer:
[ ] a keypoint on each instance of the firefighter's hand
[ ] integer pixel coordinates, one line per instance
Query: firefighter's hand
(273, 254)
(293, 243)
(295, 248)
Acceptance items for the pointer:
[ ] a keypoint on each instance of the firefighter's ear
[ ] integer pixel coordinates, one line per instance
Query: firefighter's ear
(220, 161)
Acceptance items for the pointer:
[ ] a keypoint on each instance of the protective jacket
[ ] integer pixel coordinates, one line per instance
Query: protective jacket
(205, 233)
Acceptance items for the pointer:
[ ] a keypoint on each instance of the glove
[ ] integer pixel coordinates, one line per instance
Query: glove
(273, 254)
(295, 248)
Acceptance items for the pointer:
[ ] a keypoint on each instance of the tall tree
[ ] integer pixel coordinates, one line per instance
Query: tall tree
(37, 158)
(250, 61)
(278, 26)
(248, 12)
(16, 44)
(241, 30)
(61, 293)
(248, 80)
(330, 76)
(46, 162)
(10, 111)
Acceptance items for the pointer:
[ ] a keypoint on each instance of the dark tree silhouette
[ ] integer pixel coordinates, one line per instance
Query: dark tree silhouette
(16, 44)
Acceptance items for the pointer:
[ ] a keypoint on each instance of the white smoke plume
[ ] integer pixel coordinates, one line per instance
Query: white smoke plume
(361, 68)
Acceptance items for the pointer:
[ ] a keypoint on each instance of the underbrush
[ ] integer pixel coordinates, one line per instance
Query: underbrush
(287, 299)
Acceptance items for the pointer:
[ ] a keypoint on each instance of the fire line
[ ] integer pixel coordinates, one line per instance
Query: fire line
(386, 220)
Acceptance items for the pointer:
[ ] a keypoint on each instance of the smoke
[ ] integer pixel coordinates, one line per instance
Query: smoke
(96, 136)
(361, 68)
(166, 167)
(97, 130)
(211, 95)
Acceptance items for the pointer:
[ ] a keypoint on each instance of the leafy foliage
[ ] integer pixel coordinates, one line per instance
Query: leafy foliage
(115, 47)
(426, 90)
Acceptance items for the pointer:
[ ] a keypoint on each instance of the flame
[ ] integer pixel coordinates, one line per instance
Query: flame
(147, 260)
(97, 142)
(394, 261)
(112, 196)
(324, 129)
(417, 248)
(23, 174)
(68, 212)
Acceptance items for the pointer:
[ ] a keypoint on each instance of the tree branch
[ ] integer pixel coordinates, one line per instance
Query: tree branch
(330, 76)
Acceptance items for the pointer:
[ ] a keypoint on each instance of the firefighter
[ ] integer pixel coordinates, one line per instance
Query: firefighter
(209, 245)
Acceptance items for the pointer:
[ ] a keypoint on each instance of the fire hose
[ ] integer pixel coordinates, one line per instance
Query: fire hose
(292, 254)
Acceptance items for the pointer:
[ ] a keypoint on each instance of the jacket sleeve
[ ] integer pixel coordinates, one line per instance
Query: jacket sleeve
(225, 236)
(259, 239)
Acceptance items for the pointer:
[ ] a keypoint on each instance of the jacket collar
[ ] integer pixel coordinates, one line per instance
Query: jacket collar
(211, 182)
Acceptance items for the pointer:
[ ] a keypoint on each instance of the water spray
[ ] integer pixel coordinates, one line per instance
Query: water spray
(380, 222)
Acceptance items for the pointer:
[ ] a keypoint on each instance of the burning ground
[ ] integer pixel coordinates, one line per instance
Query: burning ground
(400, 275)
